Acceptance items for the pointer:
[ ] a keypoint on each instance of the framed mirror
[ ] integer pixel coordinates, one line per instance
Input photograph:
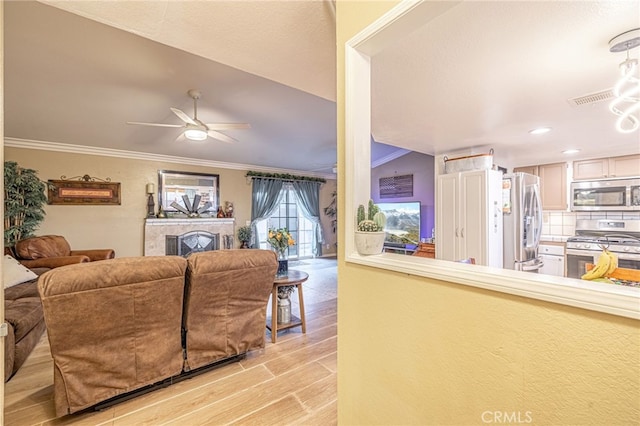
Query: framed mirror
(177, 192)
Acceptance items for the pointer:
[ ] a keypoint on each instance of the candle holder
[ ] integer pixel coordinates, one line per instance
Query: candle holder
(150, 203)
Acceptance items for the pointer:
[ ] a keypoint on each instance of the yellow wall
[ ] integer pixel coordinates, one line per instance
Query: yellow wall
(122, 227)
(420, 351)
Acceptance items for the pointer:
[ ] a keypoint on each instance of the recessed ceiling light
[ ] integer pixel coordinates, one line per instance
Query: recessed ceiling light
(571, 151)
(540, 130)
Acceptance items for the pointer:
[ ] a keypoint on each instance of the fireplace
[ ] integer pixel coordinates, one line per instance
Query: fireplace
(191, 242)
(160, 232)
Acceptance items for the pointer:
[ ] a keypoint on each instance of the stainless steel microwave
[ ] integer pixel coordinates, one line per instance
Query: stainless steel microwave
(606, 195)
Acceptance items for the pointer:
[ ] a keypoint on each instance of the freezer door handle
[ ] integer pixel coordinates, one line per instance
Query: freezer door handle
(535, 265)
(538, 211)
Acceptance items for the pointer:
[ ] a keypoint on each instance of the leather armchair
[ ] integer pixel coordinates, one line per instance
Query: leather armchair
(52, 251)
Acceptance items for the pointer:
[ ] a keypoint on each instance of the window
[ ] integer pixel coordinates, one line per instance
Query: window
(289, 215)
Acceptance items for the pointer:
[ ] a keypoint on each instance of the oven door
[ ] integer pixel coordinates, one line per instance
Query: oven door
(577, 260)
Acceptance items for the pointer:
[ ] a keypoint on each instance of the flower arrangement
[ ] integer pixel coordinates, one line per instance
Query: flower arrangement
(280, 239)
(371, 219)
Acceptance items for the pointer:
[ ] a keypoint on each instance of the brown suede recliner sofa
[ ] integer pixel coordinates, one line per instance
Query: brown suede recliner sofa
(125, 324)
(25, 323)
(52, 251)
(23, 309)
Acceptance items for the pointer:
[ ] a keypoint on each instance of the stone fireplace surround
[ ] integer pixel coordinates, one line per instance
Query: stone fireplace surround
(156, 231)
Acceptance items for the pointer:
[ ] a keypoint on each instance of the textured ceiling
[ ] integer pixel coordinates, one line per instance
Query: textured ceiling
(290, 42)
(477, 77)
(73, 80)
(483, 74)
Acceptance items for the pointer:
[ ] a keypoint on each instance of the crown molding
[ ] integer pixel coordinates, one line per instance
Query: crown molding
(147, 156)
(390, 157)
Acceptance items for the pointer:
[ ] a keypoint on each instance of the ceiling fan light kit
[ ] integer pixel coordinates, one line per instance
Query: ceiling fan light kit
(195, 134)
(627, 90)
(195, 129)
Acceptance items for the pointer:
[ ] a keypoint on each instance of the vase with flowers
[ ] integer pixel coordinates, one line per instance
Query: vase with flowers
(280, 240)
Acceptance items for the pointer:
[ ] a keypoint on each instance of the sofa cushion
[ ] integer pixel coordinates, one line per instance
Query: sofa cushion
(23, 314)
(43, 246)
(15, 273)
(27, 289)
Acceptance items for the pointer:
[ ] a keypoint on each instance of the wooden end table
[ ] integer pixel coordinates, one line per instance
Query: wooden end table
(294, 278)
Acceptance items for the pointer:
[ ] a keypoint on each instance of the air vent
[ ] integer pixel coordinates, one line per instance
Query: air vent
(592, 98)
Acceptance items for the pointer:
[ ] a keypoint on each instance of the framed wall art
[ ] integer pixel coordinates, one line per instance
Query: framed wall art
(82, 190)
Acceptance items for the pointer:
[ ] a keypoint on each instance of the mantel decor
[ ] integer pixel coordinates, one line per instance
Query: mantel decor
(85, 189)
(191, 194)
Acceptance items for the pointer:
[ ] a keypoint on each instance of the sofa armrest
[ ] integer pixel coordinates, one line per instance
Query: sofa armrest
(96, 254)
(54, 262)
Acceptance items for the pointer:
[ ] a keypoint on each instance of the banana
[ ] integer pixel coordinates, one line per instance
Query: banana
(613, 264)
(601, 267)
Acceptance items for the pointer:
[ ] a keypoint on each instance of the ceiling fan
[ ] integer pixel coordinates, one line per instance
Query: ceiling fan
(195, 129)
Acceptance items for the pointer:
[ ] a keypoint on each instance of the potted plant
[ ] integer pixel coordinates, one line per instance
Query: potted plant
(24, 201)
(244, 235)
(370, 233)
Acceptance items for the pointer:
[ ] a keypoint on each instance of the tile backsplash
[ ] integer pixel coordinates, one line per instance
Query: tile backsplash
(564, 223)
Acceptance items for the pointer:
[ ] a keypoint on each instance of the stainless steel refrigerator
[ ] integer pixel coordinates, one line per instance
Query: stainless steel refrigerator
(522, 218)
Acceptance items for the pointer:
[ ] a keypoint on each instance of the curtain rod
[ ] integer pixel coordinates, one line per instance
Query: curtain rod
(284, 177)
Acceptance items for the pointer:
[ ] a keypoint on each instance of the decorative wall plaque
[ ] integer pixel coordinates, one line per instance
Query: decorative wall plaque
(83, 190)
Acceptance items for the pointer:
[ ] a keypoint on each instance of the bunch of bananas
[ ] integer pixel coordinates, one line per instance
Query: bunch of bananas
(607, 263)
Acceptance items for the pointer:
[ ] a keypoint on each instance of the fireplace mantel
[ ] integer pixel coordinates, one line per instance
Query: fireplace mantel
(156, 230)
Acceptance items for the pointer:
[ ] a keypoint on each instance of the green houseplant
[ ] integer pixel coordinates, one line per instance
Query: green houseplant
(244, 235)
(24, 200)
(370, 235)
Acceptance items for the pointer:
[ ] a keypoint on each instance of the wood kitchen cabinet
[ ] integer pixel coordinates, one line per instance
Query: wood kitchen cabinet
(532, 170)
(599, 168)
(469, 217)
(553, 184)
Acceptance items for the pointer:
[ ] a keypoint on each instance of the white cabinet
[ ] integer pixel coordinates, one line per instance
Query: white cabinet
(469, 217)
(553, 259)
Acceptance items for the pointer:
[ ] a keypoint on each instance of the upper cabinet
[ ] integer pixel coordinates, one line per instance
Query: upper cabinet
(532, 170)
(553, 184)
(625, 166)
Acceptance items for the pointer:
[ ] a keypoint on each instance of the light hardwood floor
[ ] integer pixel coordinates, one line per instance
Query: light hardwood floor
(290, 382)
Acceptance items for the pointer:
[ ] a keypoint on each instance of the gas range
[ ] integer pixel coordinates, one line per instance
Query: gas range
(618, 236)
(621, 237)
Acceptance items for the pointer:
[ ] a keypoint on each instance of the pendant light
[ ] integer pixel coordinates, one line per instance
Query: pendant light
(626, 105)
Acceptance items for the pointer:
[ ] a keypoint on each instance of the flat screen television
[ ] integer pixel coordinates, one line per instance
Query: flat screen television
(403, 222)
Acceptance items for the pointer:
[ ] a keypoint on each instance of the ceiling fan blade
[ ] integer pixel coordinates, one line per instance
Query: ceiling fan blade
(221, 137)
(228, 126)
(182, 116)
(155, 124)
